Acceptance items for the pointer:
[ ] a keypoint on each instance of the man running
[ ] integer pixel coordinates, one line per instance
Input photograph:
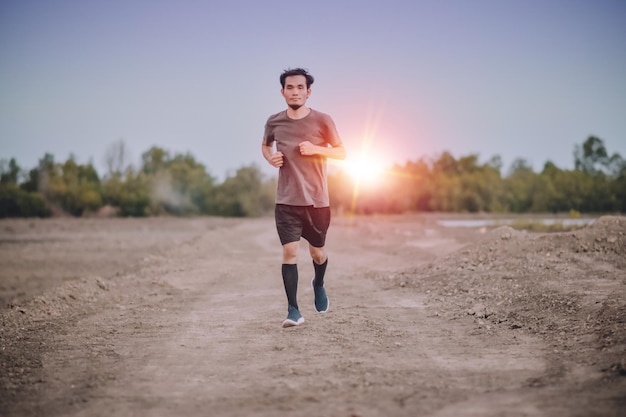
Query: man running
(304, 139)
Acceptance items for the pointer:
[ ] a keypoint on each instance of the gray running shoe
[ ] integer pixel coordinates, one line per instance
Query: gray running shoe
(322, 304)
(294, 318)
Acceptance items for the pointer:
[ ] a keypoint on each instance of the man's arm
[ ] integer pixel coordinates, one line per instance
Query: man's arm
(274, 158)
(335, 152)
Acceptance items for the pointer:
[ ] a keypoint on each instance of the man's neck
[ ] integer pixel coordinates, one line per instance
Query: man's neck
(300, 113)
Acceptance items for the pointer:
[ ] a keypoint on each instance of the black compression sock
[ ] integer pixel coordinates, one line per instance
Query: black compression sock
(320, 271)
(290, 279)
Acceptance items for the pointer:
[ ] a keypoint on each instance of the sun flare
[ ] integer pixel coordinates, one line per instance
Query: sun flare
(365, 169)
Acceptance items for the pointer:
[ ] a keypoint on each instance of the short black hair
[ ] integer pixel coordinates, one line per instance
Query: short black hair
(296, 71)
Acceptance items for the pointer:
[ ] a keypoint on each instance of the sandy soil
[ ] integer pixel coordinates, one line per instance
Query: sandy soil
(162, 317)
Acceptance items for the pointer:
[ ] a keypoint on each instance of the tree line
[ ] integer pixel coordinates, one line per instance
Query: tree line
(177, 184)
(164, 184)
(597, 184)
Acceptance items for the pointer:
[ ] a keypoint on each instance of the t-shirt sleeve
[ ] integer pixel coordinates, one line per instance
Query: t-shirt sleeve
(331, 134)
(268, 135)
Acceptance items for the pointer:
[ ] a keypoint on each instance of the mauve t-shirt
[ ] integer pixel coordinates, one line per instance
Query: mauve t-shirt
(301, 179)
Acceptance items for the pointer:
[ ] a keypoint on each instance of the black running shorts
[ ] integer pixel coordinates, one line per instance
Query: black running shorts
(293, 222)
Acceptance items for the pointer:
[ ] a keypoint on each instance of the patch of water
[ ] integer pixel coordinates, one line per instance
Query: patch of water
(505, 222)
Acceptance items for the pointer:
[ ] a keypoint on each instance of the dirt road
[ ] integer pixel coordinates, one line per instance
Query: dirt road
(182, 317)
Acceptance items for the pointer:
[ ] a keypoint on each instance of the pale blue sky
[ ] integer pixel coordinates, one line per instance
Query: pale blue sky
(520, 79)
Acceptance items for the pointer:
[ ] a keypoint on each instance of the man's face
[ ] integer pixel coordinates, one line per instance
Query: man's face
(295, 91)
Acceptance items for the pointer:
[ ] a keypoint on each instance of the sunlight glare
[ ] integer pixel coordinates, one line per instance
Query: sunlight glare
(365, 169)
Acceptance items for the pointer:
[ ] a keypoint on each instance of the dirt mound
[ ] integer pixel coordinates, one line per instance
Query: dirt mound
(568, 287)
(604, 240)
(605, 235)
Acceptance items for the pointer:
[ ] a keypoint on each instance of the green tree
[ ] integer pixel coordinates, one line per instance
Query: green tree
(245, 194)
(77, 188)
(16, 202)
(446, 164)
(154, 160)
(9, 172)
(190, 180)
(619, 190)
(129, 193)
(38, 178)
(177, 185)
(413, 186)
(592, 157)
(520, 186)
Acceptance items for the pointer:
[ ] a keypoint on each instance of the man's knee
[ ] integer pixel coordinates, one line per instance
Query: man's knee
(290, 252)
(318, 255)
